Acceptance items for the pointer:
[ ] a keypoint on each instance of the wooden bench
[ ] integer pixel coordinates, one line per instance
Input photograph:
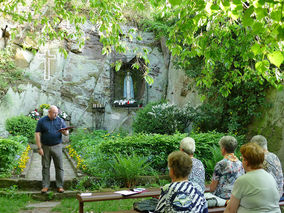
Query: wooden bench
(154, 192)
(104, 196)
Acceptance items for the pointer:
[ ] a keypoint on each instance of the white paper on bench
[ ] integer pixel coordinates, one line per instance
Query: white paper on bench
(126, 192)
(86, 194)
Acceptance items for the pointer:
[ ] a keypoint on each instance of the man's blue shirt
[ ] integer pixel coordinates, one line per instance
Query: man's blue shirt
(49, 130)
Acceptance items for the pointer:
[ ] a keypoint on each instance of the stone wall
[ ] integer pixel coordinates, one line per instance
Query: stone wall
(84, 76)
(271, 124)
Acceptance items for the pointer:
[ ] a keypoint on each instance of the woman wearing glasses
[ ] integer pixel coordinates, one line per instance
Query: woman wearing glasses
(255, 191)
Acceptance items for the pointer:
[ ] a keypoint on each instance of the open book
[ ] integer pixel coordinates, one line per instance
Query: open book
(130, 191)
(69, 127)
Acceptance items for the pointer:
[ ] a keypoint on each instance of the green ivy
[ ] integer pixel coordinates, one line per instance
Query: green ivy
(224, 69)
(9, 73)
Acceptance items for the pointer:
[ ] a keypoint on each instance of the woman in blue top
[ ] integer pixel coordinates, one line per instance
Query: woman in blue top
(227, 170)
(197, 174)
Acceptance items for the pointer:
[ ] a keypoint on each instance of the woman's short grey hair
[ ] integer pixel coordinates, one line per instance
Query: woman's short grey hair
(260, 140)
(188, 145)
(229, 143)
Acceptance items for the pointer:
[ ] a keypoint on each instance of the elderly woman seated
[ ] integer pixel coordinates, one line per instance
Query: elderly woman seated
(197, 175)
(256, 191)
(227, 170)
(271, 162)
(180, 195)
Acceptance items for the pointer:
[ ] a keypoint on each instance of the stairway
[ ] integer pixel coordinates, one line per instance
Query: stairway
(29, 182)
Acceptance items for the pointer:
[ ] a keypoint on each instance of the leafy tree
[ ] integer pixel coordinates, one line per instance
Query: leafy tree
(207, 29)
(193, 22)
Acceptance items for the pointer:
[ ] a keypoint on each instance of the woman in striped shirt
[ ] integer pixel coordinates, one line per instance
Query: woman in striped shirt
(181, 195)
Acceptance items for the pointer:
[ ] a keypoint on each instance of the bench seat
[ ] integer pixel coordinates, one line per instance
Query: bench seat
(151, 192)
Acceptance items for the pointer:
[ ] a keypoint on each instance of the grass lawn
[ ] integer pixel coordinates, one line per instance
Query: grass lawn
(71, 205)
(13, 203)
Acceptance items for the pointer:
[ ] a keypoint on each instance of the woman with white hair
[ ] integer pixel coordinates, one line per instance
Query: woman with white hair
(271, 162)
(197, 175)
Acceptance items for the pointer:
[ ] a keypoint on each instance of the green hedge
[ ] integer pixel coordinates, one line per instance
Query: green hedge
(157, 147)
(99, 148)
(10, 151)
(21, 125)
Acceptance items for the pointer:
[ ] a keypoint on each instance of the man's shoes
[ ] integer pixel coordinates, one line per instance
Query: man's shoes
(60, 190)
(44, 190)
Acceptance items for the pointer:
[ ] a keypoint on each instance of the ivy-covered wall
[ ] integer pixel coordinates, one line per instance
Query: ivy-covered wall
(271, 124)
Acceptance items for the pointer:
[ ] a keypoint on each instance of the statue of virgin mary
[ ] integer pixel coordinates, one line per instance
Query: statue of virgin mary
(128, 91)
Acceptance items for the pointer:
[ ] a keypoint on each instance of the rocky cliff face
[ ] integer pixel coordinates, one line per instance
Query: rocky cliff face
(85, 77)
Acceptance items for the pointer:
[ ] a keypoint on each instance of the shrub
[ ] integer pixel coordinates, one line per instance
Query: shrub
(21, 125)
(10, 152)
(20, 139)
(157, 147)
(126, 169)
(153, 117)
(153, 146)
(98, 149)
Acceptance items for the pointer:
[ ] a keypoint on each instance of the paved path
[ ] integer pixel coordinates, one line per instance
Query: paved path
(34, 172)
(43, 207)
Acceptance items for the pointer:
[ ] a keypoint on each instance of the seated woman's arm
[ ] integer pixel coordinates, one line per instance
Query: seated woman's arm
(233, 205)
(213, 185)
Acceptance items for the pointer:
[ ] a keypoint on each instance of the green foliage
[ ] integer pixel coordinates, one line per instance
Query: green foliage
(155, 147)
(215, 156)
(43, 106)
(87, 183)
(128, 168)
(191, 22)
(12, 203)
(20, 139)
(10, 151)
(111, 158)
(232, 113)
(86, 143)
(220, 69)
(70, 205)
(241, 40)
(9, 74)
(21, 125)
(152, 118)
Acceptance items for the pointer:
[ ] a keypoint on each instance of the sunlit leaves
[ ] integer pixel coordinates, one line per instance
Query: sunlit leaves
(175, 2)
(276, 58)
(149, 79)
(247, 19)
(118, 65)
(256, 49)
(262, 66)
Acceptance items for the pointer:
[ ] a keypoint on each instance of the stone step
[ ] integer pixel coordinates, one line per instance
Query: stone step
(24, 184)
(52, 194)
(31, 178)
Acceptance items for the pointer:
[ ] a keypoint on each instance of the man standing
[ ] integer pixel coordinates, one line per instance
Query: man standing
(49, 143)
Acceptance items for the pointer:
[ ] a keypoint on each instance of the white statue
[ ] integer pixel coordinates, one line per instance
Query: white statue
(128, 91)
